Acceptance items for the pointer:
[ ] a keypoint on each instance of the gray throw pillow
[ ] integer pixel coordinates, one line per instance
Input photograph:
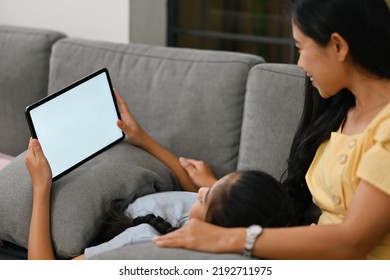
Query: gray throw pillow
(80, 198)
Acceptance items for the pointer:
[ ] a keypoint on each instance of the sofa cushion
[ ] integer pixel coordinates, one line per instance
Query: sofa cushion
(24, 68)
(273, 106)
(191, 101)
(150, 251)
(80, 198)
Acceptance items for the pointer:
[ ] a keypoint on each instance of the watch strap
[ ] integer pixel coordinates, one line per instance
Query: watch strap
(252, 233)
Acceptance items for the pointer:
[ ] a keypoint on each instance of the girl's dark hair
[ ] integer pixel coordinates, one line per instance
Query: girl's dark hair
(365, 25)
(115, 221)
(253, 197)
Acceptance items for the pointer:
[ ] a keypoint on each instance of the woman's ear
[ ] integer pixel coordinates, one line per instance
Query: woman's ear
(339, 46)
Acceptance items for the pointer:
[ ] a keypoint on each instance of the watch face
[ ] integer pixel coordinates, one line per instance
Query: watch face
(255, 230)
(252, 233)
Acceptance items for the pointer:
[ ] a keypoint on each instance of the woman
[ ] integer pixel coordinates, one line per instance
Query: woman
(341, 153)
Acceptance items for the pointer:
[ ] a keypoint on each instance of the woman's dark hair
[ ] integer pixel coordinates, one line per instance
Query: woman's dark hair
(253, 197)
(320, 118)
(365, 25)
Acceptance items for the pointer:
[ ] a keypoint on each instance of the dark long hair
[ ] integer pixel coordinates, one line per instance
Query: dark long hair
(365, 25)
(115, 221)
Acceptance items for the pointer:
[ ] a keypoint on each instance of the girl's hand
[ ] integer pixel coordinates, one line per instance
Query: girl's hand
(199, 172)
(201, 236)
(128, 124)
(38, 166)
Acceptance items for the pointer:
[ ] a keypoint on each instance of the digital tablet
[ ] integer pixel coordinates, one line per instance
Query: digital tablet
(76, 123)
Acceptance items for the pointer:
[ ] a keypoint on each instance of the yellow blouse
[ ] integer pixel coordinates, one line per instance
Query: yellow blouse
(339, 165)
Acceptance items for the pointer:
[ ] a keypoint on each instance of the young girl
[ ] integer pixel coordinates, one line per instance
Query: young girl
(241, 198)
(39, 243)
(340, 156)
(238, 199)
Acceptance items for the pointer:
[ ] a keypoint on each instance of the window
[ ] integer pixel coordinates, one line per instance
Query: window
(252, 26)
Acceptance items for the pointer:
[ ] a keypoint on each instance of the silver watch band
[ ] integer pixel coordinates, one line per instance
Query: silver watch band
(252, 233)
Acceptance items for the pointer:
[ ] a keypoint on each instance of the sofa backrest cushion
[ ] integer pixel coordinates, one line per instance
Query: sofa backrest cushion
(24, 68)
(191, 101)
(273, 106)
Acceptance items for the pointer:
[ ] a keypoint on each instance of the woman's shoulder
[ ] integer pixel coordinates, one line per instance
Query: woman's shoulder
(375, 160)
(380, 126)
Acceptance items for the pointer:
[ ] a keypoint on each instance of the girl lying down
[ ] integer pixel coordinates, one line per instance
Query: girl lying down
(240, 199)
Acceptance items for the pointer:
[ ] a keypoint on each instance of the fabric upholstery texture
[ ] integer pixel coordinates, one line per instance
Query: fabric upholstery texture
(24, 68)
(273, 105)
(150, 251)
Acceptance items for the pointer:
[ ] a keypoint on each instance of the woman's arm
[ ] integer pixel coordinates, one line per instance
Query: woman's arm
(39, 241)
(138, 137)
(366, 224)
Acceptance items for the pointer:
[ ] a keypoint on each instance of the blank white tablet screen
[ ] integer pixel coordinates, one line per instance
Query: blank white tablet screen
(76, 124)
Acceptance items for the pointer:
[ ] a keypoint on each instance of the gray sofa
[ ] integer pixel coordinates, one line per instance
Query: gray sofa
(232, 110)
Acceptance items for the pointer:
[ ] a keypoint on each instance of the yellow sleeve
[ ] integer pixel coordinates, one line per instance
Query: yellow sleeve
(374, 166)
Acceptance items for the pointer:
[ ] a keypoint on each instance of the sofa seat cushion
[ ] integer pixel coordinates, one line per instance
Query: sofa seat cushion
(80, 198)
(191, 101)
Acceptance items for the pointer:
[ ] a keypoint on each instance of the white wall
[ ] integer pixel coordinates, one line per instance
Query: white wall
(104, 20)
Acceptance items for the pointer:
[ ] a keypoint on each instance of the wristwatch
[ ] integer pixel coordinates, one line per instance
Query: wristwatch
(252, 232)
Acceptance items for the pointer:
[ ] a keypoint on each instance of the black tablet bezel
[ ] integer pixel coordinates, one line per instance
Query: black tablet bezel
(62, 91)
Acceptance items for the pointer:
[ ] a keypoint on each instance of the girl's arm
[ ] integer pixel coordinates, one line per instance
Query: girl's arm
(366, 224)
(138, 137)
(199, 172)
(39, 241)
